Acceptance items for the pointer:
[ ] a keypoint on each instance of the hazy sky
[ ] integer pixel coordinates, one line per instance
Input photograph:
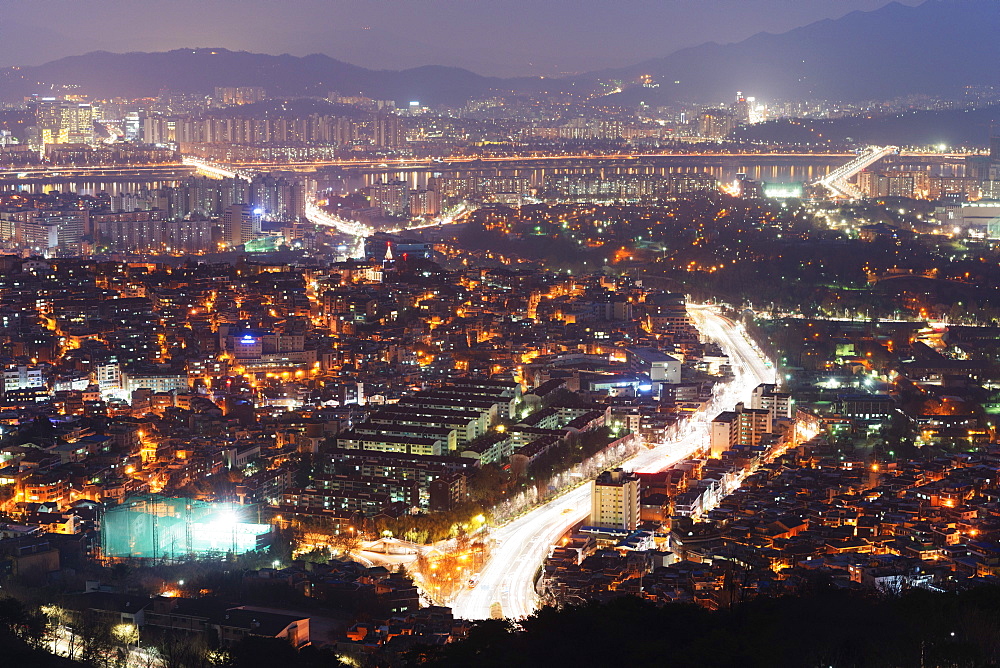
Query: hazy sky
(500, 37)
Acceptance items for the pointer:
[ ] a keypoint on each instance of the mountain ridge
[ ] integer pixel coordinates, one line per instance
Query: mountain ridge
(934, 48)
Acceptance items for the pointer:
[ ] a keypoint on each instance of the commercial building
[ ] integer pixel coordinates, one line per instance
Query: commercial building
(661, 367)
(22, 378)
(982, 216)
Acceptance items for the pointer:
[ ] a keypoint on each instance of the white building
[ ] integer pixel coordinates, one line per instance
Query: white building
(165, 382)
(108, 376)
(780, 404)
(22, 378)
(661, 367)
(982, 216)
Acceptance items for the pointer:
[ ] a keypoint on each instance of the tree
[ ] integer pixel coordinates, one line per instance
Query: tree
(346, 541)
(179, 650)
(97, 644)
(17, 621)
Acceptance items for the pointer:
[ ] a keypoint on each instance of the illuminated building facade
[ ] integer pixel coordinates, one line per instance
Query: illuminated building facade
(63, 122)
(614, 500)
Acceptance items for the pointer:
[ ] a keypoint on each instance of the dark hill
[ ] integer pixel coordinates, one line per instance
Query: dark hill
(822, 627)
(103, 75)
(952, 127)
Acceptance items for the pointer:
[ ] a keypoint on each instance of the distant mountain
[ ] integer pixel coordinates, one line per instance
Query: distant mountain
(934, 48)
(103, 75)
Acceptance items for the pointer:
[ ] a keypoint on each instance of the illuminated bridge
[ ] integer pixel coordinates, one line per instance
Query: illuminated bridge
(837, 181)
(219, 169)
(318, 216)
(314, 213)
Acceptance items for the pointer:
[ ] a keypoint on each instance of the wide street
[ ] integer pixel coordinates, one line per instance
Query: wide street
(523, 544)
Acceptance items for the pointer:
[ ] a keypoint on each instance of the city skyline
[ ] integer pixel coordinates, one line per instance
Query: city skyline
(691, 362)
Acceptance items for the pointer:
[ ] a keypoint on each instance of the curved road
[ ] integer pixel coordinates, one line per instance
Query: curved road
(523, 544)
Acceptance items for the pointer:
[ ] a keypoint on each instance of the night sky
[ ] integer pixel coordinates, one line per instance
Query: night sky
(498, 37)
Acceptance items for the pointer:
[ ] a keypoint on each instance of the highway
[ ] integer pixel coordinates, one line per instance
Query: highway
(317, 216)
(523, 544)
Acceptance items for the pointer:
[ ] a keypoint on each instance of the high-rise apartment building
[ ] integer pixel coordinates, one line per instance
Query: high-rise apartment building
(614, 501)
(388, 131)
(207, 196)
(240, 224)
(393, 197)
(52, 232)
(742, 426)
(894, 184)
(64, 122)
(767, 397)
(715, 123)
(278, 198)
(152, 232)
(424, 203)
(237, 95)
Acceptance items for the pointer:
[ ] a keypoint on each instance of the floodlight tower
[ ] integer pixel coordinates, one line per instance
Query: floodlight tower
(156, 536)
(188, 529)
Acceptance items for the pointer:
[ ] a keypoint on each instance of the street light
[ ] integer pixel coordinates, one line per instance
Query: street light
(126, 634)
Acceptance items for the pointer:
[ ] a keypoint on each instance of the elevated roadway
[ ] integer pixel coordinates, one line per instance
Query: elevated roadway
(838, 181)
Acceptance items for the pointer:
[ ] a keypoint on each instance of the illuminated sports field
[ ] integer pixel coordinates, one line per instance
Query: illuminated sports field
(166, 528)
